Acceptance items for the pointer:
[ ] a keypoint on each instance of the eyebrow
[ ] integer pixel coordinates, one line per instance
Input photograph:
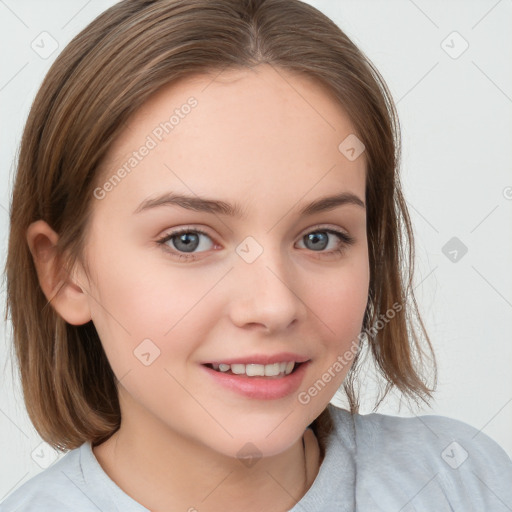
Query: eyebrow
(202, 204)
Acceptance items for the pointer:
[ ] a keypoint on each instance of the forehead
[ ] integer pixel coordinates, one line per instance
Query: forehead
(257, 133)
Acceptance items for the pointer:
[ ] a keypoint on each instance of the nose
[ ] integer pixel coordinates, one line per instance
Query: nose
(265, 292)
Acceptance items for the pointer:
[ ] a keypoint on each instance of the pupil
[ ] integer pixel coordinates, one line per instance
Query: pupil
(316, 237)
(189, 245)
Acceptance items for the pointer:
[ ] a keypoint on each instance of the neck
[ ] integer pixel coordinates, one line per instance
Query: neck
(163, 470)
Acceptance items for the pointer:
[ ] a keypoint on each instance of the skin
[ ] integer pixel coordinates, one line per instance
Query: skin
(268, 141)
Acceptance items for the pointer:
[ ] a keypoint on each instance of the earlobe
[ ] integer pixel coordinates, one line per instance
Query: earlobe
(69, 299)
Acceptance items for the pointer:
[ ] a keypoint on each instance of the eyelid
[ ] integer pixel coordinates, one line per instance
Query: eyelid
(188, 228)
(318, 227)
(345, 238)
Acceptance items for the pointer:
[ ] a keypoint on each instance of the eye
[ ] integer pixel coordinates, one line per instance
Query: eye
(186, 241)
(320, 238)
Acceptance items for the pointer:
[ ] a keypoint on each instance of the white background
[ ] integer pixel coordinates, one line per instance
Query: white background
(456, 117)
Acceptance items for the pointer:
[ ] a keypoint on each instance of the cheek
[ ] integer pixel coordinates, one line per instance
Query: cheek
(137, 291)
(341, 301)
(134, 300)
(339, 309)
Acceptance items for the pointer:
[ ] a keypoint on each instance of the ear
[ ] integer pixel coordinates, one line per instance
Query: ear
(70, 300)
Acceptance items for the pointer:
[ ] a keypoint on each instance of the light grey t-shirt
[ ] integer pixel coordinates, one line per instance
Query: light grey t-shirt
(373, 463)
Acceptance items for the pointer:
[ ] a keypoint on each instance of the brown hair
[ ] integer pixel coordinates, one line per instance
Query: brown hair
(98, 81)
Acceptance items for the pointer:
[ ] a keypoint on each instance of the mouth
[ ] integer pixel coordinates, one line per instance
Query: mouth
(272, 371)
(260, 377)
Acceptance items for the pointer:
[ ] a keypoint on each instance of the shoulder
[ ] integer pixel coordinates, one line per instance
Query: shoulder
(52, 490)
(450, 442)
(426, 434)
(447, 458)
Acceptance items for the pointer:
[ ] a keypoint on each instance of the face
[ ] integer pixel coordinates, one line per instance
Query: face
(177, 288)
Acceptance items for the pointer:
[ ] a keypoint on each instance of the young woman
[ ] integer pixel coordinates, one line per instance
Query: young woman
(207, 230)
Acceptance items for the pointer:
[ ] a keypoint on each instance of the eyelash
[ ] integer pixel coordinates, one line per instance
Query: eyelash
(346, 241)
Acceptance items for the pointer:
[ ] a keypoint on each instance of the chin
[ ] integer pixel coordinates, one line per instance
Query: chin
(256, 440)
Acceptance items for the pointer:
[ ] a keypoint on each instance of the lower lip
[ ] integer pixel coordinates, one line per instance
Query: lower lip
(261, 388)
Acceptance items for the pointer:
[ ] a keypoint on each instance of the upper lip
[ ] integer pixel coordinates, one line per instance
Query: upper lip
(261, 359)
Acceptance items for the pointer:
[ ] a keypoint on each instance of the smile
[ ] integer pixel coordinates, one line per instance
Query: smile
(269, 381)
(256, 370)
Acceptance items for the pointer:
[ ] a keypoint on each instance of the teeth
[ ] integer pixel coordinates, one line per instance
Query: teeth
(257, 370)
(271, 370)
(238, 368)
